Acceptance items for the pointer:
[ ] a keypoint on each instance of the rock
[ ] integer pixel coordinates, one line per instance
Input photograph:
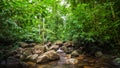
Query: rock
(26, 45)
(81, 57)
(32, 57)
(19, 50)
(31, 65)
(69, 43)
(46, 48)
(116, 62)
(98, 54)
(72, 61)
(47, 56)
(27, 51)
(64, 48)
(54, 47)
(68, 56)
(67, 50)
(23, 44)
(58, 43)
(74, 53)
(31, 44)
(38, 49)
(88, 66)
(48, 44)
(70, 49)
(22, 53)
(42, 59)
(60, 51)
(12, 62)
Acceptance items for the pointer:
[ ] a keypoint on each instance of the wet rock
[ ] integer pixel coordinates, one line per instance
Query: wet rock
(87, 66)
(64, 48)
(47, 56)
(98, 54)
(58, 43)
(20, 53)
(67, 50)
(27, 51)
(68, 44)
(54, 47)
(75, 53)
(116, 62)
(70, 49)
(60, 51)
(42, 59)
(91, 61)
(12, 62)
(38, 49)
(48, 44)
(20, 50)
(23, 53)
(72, 61)
(79, 49)
(32, 57)
(81, 57)
(21, 57)
(31, 65)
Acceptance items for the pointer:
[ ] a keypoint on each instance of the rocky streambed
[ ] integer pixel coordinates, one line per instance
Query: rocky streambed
(55, 55)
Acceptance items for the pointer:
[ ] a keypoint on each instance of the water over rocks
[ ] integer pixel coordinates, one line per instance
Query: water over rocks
(60, 53)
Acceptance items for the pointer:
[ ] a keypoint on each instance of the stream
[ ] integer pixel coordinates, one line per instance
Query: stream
(65, 61)
(82, 62)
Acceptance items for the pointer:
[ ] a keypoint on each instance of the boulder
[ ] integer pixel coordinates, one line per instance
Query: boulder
(72, 61)
(68, 44)
(75, 53)
(60, 51)
(48, 44)
(58, 42)
(32, 57)
(47, 56)
(22, 53)
(27, 51)
(41, 59)
(64, 48)
(54, 47)
(70, 49)
(67, 50)
(116, 62)
(20, 50)
(38, 49)
(98, 54)
(46, 48)
(31, 65)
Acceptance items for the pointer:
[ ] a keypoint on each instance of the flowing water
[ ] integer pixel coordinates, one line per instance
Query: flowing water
(83, 62)
(64, 62)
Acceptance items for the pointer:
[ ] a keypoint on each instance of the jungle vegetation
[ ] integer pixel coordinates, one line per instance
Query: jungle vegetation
(87, 22)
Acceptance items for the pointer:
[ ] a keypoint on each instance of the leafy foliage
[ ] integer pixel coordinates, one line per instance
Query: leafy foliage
(50, 20)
